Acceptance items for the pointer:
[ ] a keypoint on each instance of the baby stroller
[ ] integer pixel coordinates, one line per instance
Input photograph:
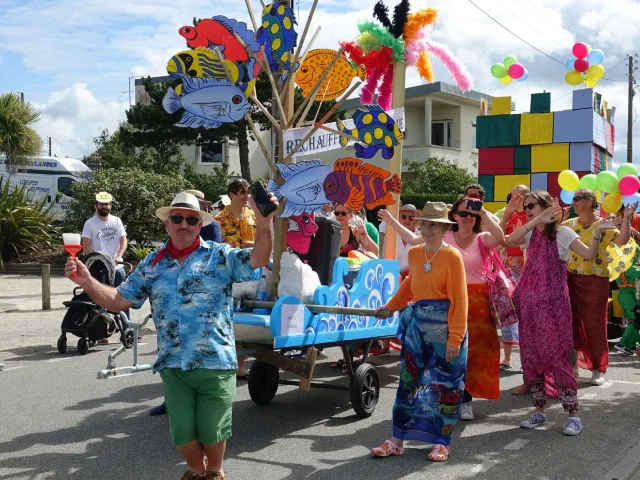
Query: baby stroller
(89, 321)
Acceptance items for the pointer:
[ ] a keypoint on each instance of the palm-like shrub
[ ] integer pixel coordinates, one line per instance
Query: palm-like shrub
(26, 224)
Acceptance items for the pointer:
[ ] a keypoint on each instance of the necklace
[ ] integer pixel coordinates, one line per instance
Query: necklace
(427, 265)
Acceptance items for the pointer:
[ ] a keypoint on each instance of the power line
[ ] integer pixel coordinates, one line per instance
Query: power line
(619, 63)
(566, 94)
(515, 35)
(531, 26)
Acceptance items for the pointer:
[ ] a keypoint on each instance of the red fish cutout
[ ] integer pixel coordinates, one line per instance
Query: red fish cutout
(301, 229)
(355, 185)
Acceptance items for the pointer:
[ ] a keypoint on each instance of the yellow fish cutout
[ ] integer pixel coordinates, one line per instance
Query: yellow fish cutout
(337, 80)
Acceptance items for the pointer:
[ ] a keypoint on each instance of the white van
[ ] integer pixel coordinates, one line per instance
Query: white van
(51, 178)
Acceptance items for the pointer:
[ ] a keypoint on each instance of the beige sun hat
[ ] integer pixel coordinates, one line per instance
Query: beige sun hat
(435, 212)
(185, 201)
(200, 196)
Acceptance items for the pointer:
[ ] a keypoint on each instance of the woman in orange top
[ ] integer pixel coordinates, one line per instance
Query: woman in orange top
(434, 344)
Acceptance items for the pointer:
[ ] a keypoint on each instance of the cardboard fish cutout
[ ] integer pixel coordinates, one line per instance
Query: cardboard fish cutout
(376, 129)
(278, 36)
(301, 229)
(208, 102)
(303, 187)
(218, 32)
(337, 80)
(356, 185)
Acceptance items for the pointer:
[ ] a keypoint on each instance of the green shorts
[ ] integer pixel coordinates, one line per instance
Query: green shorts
(199, 404)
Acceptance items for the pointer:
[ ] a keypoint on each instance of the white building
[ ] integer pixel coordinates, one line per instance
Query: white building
(439, 120)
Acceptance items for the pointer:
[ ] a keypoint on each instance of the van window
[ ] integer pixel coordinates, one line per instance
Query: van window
(64, 185)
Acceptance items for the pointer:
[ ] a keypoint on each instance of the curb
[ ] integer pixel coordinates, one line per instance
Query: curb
(31, 269)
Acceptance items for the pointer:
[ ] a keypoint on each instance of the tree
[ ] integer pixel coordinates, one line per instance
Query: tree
(437, 175)
(137, 194)
(18, 140)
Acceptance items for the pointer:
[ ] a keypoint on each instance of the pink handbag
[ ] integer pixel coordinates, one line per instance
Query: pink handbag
(501, 287)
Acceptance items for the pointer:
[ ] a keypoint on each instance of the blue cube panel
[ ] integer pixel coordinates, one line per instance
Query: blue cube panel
(582, 99)
(580, 156)
(539, 181)
(573, 126)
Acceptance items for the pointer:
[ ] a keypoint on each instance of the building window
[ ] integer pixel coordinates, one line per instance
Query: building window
(211, 153)
(441, 133)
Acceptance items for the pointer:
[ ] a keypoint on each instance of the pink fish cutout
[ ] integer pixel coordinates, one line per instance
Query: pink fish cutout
(301, 229)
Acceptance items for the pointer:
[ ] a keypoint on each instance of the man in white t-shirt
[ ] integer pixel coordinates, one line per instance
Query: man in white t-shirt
(105, 233)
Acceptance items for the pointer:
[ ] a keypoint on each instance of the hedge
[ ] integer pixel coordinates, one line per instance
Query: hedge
(417, 199)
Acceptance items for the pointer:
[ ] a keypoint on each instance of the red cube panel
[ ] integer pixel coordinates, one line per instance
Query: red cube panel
(552, 184)
(496, 161)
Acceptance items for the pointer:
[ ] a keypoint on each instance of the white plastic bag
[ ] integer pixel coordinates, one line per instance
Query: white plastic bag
(248, 289)
(297, 279)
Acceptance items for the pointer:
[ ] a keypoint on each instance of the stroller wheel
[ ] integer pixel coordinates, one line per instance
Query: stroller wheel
(83, 346)
(62, 345)
(92, 343)
(128, 338)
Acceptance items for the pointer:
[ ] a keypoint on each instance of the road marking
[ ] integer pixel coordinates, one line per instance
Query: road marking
(517, 444)
(58, 359)
(606, 385)
(624, 381)
(588, 396)
(14, 368)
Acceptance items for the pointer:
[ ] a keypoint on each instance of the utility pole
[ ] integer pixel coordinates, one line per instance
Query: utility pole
(49, 146)
(630, 113)
(22, 97)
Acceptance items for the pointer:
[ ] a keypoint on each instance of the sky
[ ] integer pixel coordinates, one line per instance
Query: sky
(73, 59)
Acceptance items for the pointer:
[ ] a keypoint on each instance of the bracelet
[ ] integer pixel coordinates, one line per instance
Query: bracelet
(599, 238)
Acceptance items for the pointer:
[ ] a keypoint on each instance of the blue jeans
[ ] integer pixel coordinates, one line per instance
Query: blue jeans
(120, 276)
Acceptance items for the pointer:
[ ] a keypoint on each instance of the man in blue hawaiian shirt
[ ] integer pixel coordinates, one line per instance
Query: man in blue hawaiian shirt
(188, 283)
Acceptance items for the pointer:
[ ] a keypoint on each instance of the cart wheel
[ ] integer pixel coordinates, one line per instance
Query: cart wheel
(92, 343)
(62, 345)
(83, 346)
(365, 390)
(263, 382)
(128, 338)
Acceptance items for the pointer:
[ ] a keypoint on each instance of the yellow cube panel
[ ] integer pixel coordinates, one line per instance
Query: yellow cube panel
(501, 106)
(505, 183)
(493, 207)
(553, 157)
(536, 128)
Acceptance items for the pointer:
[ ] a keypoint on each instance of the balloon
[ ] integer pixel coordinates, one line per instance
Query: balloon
(630, 199)
(580, 50)
(498, 70)
(612, 203)
(588, 182)
(509, 60)
(595, 73)
(524, 76)
(566, 196)
(568, 180)
(581, 65)
(506, 80)
(569, 64)
(573, 78)
(607, 182)
(627, 169)
(591, 83)
(628, 185)
(516, 71)
(595, 57)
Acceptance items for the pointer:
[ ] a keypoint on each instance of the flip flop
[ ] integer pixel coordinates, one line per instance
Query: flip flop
(504, 366)
(242, 377)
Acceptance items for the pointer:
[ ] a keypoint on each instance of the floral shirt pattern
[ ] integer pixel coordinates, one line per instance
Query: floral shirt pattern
(236, 230)
(192, 305)
(611, 259)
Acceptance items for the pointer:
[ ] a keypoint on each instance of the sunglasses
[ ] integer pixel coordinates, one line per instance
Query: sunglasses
(466, 214)
(340, 214)
(178, 219)
(529, 206)
(407, 217)
(577, 198)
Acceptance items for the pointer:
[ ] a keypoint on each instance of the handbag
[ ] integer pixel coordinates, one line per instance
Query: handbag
(501, 287)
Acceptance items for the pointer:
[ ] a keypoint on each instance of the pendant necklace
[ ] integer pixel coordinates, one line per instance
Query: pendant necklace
(427, 265)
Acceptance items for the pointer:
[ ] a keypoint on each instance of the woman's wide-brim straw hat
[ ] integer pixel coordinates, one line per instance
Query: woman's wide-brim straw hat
(435, 212)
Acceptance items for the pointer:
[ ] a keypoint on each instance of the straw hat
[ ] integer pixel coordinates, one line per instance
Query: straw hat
(435, 212)
(200, 196)
(185, 201)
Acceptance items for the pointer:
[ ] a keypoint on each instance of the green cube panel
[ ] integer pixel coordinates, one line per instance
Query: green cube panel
(498, 131)
(522, 163)
(540, 103)
(487, 182)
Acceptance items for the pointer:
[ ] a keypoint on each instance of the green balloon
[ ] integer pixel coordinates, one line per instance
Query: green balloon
(498, 70)
(627, 169)
(607, 182)
(509, 60)
(588, 182)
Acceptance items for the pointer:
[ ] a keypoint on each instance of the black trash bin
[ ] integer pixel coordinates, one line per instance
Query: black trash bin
(324, 249)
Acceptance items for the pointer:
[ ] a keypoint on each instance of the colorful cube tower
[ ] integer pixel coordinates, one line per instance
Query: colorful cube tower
(533, 148)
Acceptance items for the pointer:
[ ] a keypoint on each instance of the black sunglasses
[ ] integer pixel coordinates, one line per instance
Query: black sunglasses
(577, 198)
(178, 219)
(466, 214)
(529, 206)
(338, 214)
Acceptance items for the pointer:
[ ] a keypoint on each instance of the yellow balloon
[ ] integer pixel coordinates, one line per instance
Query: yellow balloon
(574, 77)
(568, 180)
(506, 80)
(595, 73)
(591, 83)
(612, 203)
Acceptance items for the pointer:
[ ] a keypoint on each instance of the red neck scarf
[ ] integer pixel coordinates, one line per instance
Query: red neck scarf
(173, 252)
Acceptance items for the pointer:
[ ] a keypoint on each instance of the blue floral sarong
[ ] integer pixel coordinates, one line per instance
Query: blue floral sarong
(429, 395)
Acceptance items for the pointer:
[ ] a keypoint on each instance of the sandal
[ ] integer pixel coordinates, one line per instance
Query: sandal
(339, 364)
(377, 351)
(520, 390)
(504, 366)
(388, 449)
(439, 453)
